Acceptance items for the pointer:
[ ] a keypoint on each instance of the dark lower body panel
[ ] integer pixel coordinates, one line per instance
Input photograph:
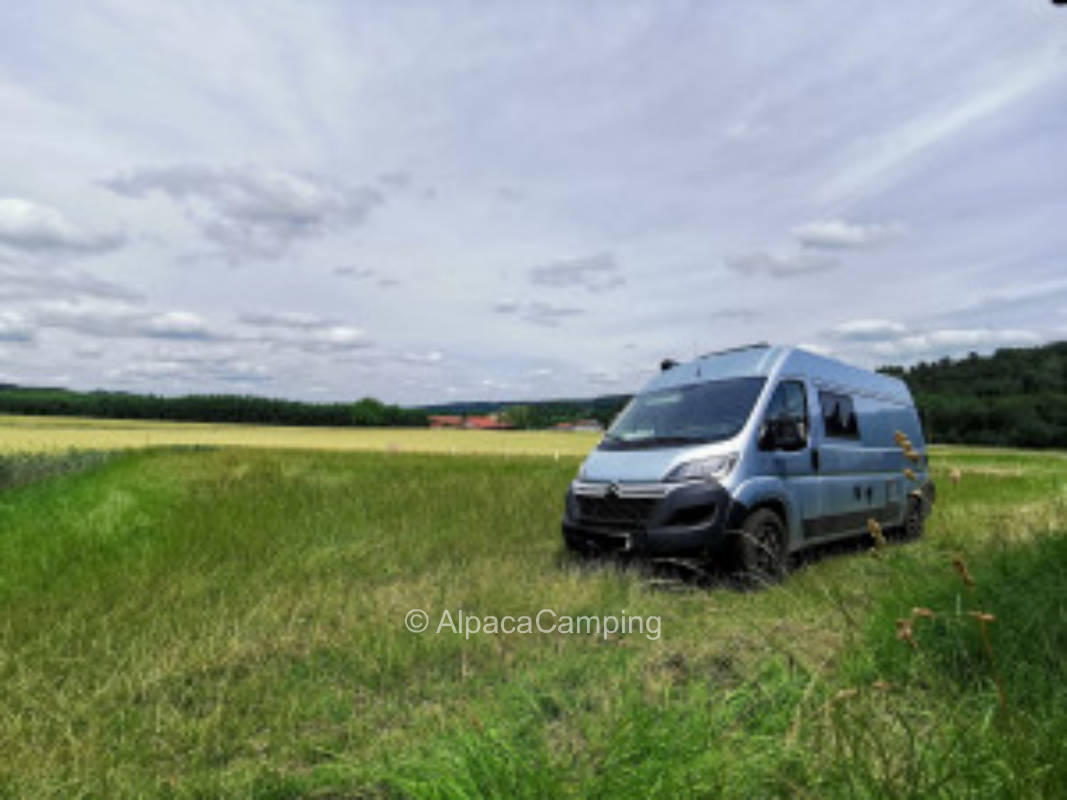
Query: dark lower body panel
(691, 522)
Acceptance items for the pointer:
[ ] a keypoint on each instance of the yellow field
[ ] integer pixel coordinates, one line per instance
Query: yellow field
(36, 434)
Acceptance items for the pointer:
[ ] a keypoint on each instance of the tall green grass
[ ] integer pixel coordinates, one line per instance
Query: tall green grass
(230, 624)
(18, 469)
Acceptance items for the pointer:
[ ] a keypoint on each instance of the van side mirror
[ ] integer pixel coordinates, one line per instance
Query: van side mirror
(783, 433)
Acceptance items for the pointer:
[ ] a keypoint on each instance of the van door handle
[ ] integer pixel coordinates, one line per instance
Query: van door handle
(815, 459)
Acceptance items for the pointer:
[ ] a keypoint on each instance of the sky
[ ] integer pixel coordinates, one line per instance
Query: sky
(441, 201)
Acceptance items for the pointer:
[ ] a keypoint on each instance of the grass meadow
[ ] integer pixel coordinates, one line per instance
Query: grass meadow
(229, 622)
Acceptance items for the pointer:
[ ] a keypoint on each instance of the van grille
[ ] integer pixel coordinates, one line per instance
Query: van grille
(615, 511)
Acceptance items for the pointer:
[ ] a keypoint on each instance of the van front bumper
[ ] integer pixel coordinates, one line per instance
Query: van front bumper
(676, 521)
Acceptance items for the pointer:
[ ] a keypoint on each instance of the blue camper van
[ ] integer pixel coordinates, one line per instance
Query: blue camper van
(749, 455)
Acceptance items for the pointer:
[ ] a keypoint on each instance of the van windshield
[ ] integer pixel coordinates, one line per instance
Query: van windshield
(693, 414)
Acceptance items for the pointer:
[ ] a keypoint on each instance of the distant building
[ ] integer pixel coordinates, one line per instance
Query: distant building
(487, 422)
(446, 421)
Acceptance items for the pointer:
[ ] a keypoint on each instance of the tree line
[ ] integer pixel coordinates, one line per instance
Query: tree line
(1015, 397)
(548, 414)
(205, 408)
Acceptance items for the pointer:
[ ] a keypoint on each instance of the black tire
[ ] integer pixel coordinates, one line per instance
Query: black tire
(761, 547)
(914, 521)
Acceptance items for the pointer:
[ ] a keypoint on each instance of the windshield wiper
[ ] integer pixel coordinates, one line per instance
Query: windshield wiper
(678, 439)
(654, 441)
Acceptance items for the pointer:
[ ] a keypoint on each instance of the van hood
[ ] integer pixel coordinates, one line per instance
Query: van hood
(643, 465)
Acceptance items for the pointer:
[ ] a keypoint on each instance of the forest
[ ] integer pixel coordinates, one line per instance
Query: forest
(1015, 397)
(205, 408)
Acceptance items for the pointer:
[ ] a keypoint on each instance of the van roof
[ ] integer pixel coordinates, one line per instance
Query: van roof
(772, 361)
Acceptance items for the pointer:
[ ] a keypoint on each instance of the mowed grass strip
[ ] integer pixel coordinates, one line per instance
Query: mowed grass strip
(24, 434)
(230, 623)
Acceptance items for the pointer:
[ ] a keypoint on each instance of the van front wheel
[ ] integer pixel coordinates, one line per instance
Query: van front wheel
(761, 547)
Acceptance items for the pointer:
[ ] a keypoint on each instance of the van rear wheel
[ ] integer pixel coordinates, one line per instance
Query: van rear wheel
(762, 546)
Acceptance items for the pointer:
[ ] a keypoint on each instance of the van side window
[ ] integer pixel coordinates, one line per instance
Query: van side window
(789, 403)
(839, 416)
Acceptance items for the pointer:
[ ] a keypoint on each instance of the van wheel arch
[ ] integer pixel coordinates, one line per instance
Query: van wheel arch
(742, 511)
(761, 544)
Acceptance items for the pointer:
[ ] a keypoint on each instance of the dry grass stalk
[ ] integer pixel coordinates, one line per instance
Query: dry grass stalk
(905, 630)
(984, 619)
(875, 529)
(905, 633)
(961, 567)
(845, 694)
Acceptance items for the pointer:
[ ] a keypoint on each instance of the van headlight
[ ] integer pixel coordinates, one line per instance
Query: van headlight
(703, 469)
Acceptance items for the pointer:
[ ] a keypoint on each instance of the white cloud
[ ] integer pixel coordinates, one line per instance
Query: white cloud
(868, 330)
(90, 317)
(177, 325)
(252, 211)
(355, 273)
(431, 358)
(89, 351)
(31, 227)
(112, 319)
(787, 265)
(14, 327)
(951, 341)
(836, 233)
(32, 282)
(537, 312)
(334, 338)
(283, 319)
(596, 272)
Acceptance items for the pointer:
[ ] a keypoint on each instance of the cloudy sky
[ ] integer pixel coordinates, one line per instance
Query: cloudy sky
(446, 200)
